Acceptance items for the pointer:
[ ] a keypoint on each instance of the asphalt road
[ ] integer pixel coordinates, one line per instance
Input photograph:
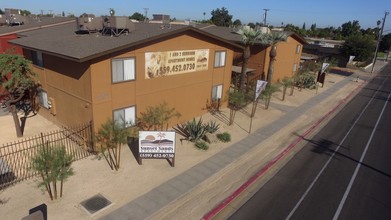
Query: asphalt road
(343, 172)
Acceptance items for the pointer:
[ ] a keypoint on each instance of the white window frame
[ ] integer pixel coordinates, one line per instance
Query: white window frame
(298, 48)
(125, 69)
(43, 99)
(37, 58)
(217, 92)
(220, 58)
(125, 116)
(294, 69)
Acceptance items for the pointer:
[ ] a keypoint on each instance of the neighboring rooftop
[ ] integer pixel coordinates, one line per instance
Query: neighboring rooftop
(34, 22)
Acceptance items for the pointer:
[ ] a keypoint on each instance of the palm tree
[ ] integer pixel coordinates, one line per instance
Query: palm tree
(271, 39)
(249, 37)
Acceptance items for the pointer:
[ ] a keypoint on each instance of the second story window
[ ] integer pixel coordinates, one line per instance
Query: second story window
(298, 48)
(123, 69)
(220, 58)
(37, 58)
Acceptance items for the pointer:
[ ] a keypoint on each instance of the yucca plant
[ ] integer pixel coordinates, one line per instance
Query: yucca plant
(196, 130)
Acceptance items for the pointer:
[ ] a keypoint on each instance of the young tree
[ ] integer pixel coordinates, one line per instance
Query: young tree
(111, 135)
(16, 80)
(249, 37)
(156, 117)
(268, 92)
(271, 39)
(221, 17)
(53, 164)
(236, 101)
(286, 82)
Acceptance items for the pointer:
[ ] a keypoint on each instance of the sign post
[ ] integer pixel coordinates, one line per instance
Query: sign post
(322, 75)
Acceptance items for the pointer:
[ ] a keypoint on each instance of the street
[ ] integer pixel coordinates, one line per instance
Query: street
(343, 172)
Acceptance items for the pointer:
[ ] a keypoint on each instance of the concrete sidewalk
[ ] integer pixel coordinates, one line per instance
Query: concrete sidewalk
(196, 191)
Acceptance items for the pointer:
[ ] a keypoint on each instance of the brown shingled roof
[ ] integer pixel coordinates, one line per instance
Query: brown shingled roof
(62, 40)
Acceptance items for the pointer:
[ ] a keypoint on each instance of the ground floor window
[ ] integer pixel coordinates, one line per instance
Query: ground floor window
(294, 67)
(125, 116)
(43, 99)
(217, 92)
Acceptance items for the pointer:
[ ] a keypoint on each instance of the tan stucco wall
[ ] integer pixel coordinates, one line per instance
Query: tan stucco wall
(188, 93)
(286, 57)
(68, 83)
(283, 65)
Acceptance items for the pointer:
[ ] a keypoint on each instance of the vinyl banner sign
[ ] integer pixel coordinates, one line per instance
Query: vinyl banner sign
(157, 144)
(167, 63)
(324, 67)
(261, 85)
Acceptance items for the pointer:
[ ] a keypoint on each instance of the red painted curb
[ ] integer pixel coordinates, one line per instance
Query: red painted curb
(262, 171)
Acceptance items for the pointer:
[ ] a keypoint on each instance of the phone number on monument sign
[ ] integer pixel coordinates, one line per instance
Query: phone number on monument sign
(156, 155)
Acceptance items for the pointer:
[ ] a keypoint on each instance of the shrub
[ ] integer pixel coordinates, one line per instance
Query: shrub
(306, 79)
(224, 137)
(156, 117)
(202, 145)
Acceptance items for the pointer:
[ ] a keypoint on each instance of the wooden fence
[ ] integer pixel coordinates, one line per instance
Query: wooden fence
(15, 157)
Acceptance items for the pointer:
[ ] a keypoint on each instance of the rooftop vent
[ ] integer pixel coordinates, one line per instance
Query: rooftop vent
(117, 25)
(89, 24)
(109, 25)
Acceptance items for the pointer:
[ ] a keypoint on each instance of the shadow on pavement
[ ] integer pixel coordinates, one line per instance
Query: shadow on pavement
(324, 146)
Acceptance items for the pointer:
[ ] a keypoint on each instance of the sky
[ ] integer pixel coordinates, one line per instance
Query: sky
(323, 13)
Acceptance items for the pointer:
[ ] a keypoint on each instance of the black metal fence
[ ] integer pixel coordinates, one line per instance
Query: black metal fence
(15, 157)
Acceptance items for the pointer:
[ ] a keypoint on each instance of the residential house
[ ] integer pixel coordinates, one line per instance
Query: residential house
(93, 77)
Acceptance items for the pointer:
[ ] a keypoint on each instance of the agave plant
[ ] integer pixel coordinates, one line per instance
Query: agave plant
(212, 127)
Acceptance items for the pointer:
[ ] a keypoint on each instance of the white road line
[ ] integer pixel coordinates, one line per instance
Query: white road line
(341, 204)
(332, 156)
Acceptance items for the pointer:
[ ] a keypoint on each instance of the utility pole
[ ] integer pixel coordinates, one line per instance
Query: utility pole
(146, 14)
(265, 16)
(378, 40)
